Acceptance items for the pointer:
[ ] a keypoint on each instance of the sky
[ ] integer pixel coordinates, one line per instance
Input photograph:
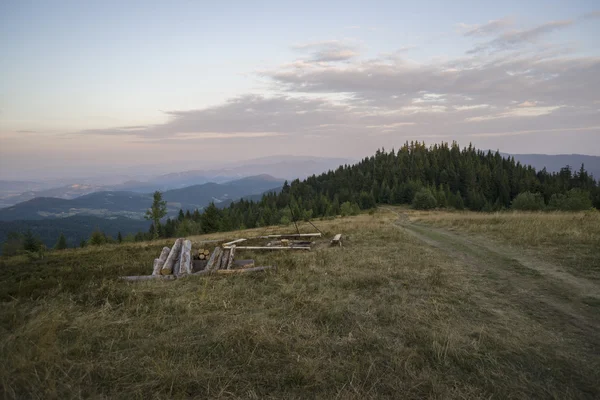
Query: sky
(116, 86)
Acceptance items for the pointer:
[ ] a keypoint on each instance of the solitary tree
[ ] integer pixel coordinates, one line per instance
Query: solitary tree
(120, 237)
(61, 244)
(157, 211)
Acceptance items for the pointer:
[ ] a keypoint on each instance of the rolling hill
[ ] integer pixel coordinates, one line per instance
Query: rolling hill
(109, 204)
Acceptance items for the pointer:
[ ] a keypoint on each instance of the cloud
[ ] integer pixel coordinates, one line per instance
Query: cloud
(514, 38)
(328, 51)
(489, 28)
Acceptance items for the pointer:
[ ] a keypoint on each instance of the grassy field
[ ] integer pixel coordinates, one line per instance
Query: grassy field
(415, 305)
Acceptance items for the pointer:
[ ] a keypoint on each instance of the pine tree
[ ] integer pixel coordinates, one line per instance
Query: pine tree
(119, 237)
(156, 212)
(61, 244)
(30, 242)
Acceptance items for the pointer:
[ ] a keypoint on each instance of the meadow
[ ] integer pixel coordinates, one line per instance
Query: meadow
(414, 305)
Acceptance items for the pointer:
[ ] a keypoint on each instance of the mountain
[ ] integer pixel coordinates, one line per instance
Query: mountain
(108, 204)
(74, 228)
(553, 163)
(63, 192)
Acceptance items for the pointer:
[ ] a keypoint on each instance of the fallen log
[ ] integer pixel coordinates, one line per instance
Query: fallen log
(213, 258)
(160, 261)
(167, 269)
(185, 266)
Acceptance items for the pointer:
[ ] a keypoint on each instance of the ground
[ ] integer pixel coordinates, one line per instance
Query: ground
(415, 305)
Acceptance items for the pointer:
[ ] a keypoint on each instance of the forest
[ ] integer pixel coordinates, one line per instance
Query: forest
(426, 177)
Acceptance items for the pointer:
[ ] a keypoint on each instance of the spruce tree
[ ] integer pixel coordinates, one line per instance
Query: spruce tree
(156, 212)
(61, 244)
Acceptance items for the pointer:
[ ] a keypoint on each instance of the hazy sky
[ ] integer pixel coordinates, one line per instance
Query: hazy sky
(95, 86)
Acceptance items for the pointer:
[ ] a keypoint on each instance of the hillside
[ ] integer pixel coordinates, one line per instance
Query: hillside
(75, 228)
(406, 309)
(134, 205)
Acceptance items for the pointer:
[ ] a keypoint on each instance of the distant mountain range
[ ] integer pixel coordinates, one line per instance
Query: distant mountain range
(281, 167)
(553, 163)
(133, 205)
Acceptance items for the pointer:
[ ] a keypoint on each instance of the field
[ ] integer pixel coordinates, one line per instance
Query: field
(415, 305)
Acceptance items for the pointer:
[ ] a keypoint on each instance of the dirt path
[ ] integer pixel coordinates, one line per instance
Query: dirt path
(542, 289)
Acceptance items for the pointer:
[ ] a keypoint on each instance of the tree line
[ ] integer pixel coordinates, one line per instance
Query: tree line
(438, 176)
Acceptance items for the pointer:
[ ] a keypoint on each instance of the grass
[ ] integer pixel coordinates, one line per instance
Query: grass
(386, 316)
(571, 238)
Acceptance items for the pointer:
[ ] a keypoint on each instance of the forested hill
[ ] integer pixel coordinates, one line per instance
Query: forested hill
(459, 178)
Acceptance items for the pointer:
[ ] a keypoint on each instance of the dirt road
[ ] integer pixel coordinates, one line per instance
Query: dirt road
(505, 276)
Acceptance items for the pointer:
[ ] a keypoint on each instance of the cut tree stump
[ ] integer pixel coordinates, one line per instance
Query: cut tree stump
(167, 269)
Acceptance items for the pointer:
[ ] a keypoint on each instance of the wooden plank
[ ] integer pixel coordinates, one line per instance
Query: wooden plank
(167, 269)
(230, 258)
(291, 236)
(160, 261)
(186, 258)
(213, 258)
(233, 242)
(273, 248)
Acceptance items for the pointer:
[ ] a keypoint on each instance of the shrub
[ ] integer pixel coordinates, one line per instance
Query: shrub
(573, 200)
(424, 200)
(528, 201)
(348, 209)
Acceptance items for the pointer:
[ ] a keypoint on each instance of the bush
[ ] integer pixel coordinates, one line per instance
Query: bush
(424, 200)
(348, 209)
(573, 200)
(528, 201)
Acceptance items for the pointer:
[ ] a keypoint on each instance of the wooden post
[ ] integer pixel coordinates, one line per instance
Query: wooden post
(186, 258)
(167, 269)
(213, 258)
(160, 261)
(224, 259)
(231, 255)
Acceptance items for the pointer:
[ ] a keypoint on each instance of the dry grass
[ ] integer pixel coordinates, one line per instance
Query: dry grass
(387, 316)
(571, 238)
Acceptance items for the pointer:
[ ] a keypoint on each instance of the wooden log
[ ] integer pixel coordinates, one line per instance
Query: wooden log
(202, 257)
(273, 248)
(243, 263)
(213, 258)
(160, 261)
(224, 259)
(167, 269)
(230, 258)
(186, 258)
(233, 242)
(206, 252)
(148, 277)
